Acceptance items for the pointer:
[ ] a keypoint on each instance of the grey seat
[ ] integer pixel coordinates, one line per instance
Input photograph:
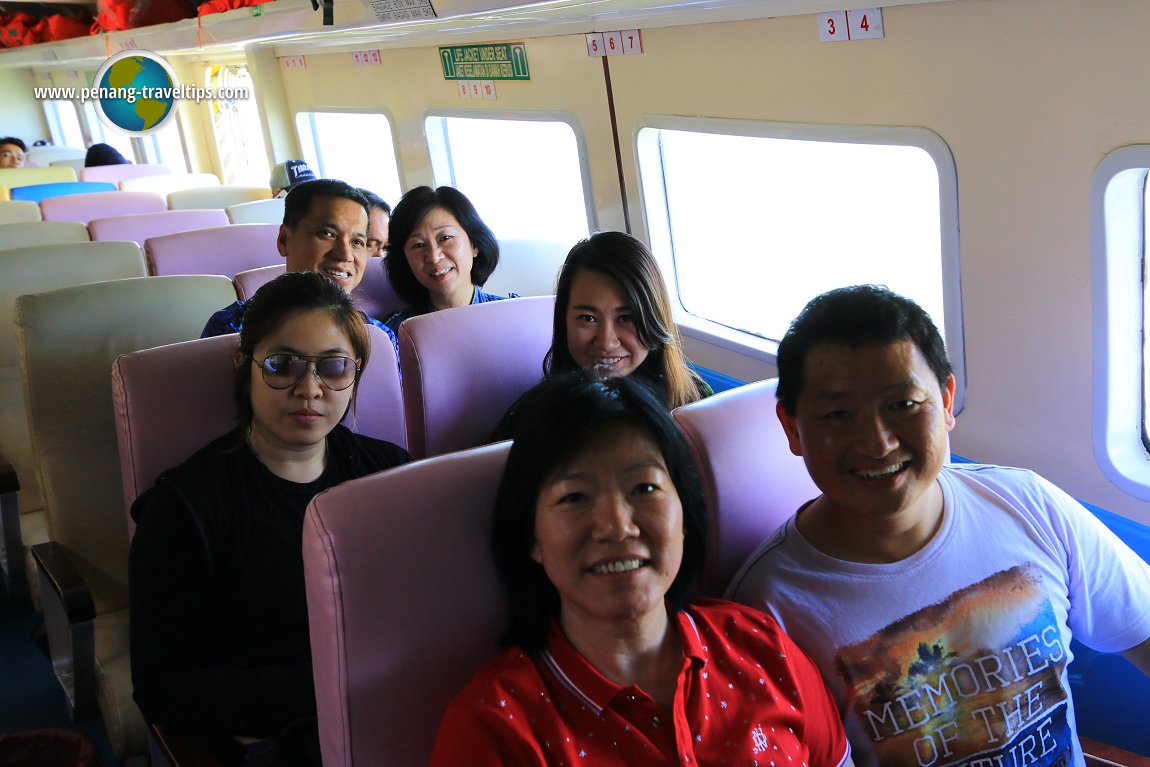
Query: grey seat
(68, 341)
(28, 233)
(34, 270)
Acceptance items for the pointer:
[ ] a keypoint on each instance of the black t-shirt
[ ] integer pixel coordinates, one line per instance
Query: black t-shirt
(219, 628)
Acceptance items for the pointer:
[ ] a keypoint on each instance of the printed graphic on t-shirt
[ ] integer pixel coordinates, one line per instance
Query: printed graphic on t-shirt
(972, 680)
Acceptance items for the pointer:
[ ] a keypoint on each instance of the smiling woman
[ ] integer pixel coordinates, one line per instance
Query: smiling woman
(612, 311)
(599, 537)
(219, 639)
(440, 253)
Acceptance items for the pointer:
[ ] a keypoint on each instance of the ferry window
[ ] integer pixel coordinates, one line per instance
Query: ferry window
(64, 123)
(525, 176)
(1120, 228)
(236, 124)
(755, 220)
(166, 147)
(102, 134)
(355, 147)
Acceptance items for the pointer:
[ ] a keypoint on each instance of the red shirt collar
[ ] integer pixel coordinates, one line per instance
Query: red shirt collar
(584, 681)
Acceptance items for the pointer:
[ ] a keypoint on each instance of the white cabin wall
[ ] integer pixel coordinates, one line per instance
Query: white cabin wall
(196, 118)
(278, 122)
(23, 114)
(1029, 95)
(409, 84)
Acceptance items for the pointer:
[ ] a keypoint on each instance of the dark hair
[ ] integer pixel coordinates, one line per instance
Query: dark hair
(104, 154)
(409, 211)
(627, 261)
(297, 204)
(567, 414)
(375, 201)
(856, 316)
(14, 140)
(274, 303)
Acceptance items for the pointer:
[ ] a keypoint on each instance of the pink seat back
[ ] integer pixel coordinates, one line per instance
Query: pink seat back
(139, 227)
(157, 429)
(117, 173)
(462, 368)
(374, 295)
(404, 602)
(249, 281)
(85, 207)
(751, 480)
(151, 389)
(227, 249)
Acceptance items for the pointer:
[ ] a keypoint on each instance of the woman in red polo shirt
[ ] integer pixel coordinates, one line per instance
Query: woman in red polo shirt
(599, 536)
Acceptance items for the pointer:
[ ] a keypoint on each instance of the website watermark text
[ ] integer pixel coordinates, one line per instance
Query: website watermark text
(131, 95)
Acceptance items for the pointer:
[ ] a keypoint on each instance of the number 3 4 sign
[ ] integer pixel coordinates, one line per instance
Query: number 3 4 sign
(859, 24)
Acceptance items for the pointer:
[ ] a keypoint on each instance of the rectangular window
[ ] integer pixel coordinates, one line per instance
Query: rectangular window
(64, 123)
(166, 147)
(1120, 212)
(752, 220)
(102, 134)
(525, 176)
(356, 147)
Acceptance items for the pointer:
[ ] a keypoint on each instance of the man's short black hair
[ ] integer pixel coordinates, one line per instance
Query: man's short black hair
(375, 201)
(14, 140)
(856, 316)
(298, 201)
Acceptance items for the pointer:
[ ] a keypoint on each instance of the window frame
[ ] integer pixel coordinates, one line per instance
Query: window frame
(319, 169)
(100, 133)
(1118, 238)
(441, 171)
(218, 76)
(52, 115)
(152, 153)
(654, 209)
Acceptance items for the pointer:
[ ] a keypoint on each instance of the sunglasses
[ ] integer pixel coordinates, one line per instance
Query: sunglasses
(283, 371)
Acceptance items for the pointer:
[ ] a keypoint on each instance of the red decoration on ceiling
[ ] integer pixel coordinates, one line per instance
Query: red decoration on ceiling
(219, 6)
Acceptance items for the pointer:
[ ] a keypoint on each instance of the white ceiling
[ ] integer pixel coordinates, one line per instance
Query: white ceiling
(293, 27)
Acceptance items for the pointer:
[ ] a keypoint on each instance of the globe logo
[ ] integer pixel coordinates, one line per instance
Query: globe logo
(135, 92)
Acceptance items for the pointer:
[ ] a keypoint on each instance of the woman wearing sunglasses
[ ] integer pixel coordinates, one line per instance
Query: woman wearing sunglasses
(219, 642)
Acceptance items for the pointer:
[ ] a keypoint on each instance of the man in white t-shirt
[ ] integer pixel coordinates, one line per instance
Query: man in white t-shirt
(938, 600)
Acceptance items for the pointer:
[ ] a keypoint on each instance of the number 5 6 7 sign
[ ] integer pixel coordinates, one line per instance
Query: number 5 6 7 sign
(623, 43)
(859, 24)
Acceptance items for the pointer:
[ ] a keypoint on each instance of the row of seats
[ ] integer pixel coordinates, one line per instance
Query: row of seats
(244, 204)
(67, 341)
(239, 253)
(43, 156)
(37, 184)
(47, 267)
(382, 685)
(233, 251)
(66, 337)
(175, 241)
(86, 207)
(41, 268)
(459, 376)
(29, 271)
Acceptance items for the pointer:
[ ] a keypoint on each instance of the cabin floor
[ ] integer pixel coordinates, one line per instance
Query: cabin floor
(30, 698)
